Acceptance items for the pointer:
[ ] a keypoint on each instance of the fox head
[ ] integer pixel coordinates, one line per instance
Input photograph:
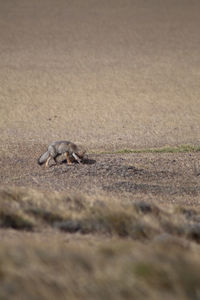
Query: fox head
(81, 154)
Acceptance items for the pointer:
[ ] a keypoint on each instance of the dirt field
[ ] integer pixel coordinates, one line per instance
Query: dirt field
(157, 177)
(111, 76)
(117, 75)
(105, 74)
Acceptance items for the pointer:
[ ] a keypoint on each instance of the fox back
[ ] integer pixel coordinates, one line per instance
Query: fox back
(66, 146)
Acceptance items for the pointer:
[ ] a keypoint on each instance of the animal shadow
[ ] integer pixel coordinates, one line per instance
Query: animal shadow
(85, 161)
(88, 161)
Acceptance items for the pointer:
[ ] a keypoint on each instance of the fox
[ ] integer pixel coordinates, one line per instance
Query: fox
(61, 147)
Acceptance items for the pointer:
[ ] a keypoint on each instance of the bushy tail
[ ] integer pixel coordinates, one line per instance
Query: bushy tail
(43, 158)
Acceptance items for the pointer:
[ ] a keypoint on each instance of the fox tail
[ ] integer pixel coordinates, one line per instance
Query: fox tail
(43, 158)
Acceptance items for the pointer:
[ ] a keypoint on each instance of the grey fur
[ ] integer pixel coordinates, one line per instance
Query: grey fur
(57, 148)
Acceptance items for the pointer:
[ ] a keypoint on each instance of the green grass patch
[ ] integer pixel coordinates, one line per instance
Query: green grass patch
(165, 149)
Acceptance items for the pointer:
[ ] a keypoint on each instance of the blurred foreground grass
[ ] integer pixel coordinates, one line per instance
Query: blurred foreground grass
(128, 250)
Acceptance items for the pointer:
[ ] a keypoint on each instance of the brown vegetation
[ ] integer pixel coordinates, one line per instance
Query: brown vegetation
(86, 248)
(31, 210)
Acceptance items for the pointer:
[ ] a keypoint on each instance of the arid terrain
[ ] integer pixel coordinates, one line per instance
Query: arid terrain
(120, 78)
(157, 177)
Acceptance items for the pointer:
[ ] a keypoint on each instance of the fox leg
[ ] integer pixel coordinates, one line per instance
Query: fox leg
(68, 159)
(76, 157)
(55, 159)
(52, 154)
(47, 162)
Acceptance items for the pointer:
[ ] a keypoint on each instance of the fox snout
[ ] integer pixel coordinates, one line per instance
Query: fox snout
(81, 154)
(78, 156)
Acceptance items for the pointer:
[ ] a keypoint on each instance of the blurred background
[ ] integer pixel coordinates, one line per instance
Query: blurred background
(107, 74)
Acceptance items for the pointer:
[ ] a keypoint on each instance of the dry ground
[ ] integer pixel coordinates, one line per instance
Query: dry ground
(110, 75)
(158, 177)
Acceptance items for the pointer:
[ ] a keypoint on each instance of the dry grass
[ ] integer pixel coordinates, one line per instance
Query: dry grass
(117, 269)
(24, 209)
(127, 250)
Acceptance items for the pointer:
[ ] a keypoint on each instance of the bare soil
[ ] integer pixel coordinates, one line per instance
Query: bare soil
(159, 177)
(123, 74)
